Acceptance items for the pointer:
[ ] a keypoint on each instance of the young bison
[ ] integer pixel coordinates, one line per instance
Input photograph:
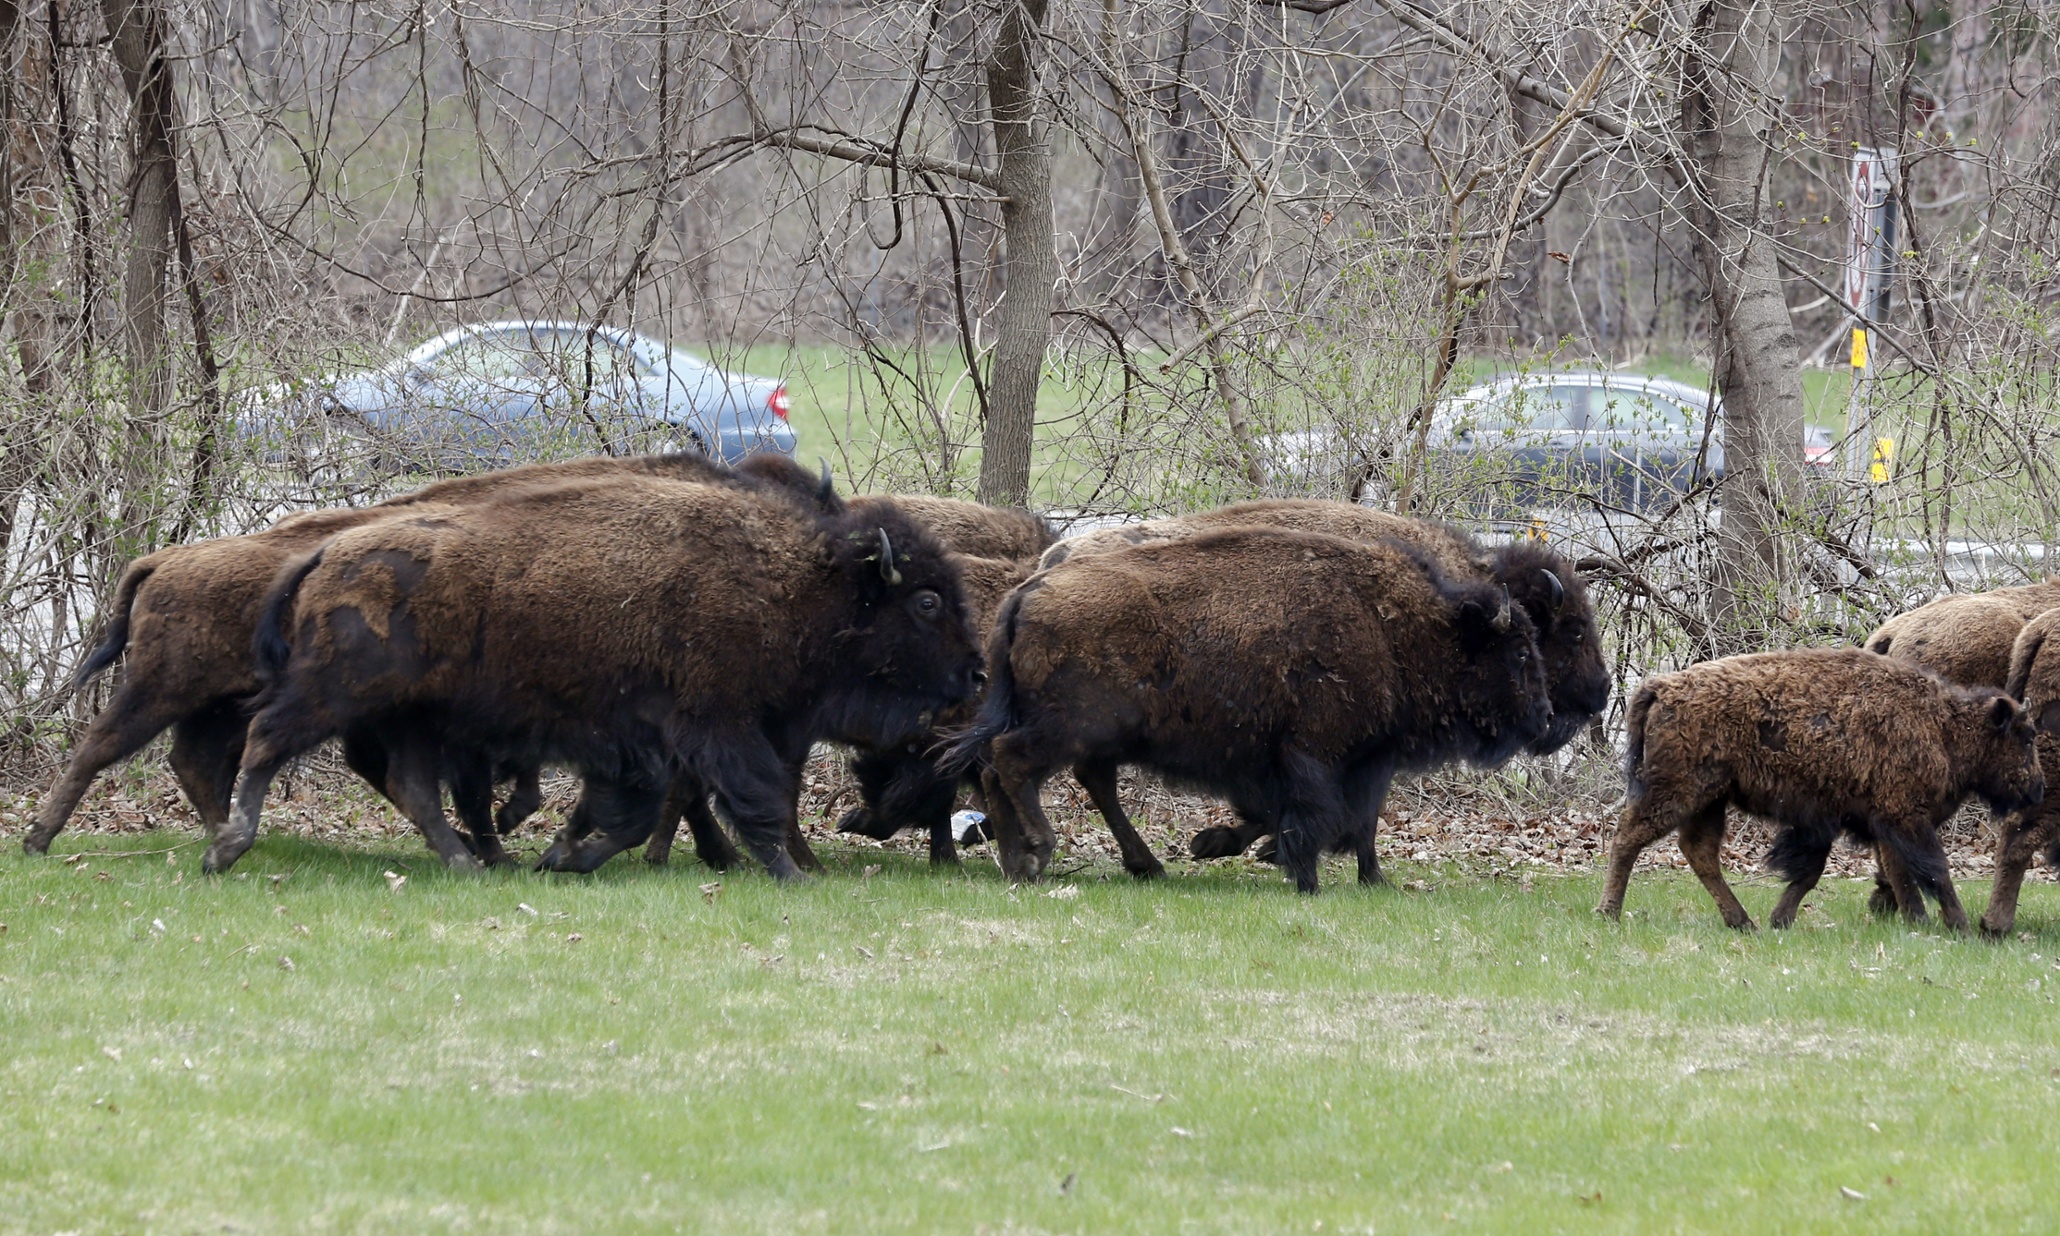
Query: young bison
(2034, 681)
(1293, 673)
(1821, 742)
(633, 628)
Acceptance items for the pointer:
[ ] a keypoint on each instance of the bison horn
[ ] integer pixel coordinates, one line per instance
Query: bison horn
(887, 571)
(1558, 590)
(1502, 617)
(825, 490)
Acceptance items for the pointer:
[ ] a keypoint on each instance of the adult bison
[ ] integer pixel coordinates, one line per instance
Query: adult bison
(185, 616)
(1294, 673)
(901, 787)
(1965, 638)
(632, 627)
(1543, 582)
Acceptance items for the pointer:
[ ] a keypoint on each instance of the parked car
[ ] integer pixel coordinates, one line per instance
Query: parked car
(504, 392)
(1631, 441)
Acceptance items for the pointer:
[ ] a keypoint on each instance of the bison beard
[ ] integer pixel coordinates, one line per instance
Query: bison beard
(1294, 673)
(631, 628)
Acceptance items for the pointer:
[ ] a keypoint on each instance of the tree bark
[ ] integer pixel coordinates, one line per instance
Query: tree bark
(1730, 90)
(1030, 259)
(138, 33)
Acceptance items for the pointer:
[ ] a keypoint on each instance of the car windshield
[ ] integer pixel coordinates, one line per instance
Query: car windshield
(486, 358)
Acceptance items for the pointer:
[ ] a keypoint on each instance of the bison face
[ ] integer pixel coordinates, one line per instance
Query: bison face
(1501, 692)
(2008, 775)
(1555, 597)
(908, 650)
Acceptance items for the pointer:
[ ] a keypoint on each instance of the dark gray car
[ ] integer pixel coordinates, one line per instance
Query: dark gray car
(1630, 441)
(504, 392)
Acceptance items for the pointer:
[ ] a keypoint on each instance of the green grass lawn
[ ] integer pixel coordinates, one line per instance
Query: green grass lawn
(905, 1051)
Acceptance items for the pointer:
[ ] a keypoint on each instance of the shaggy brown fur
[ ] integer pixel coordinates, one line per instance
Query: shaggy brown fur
(2034, 681)
(1294, 673)
(1821, 741)
(1567, 638)
(899, 789)
(185, 617)
(629, 627)
(1964, 638)
(976, 530)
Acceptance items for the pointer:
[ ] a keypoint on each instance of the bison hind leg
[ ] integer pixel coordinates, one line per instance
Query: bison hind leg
(1098, 778)
(1702, 843)
(118, 731)
(1229, 842)
(207, 748)
(1647, 817)
(1799, 854)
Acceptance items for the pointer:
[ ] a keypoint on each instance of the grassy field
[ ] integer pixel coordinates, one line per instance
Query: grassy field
(305, 1046)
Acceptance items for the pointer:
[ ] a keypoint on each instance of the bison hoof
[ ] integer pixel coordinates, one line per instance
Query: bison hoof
(1268, 851)
(1995, 931)
(33, 844)
(463, 862)
(1152, 872)
(1882, 901)
(1216, 843)
(862, 821)
(215, 862)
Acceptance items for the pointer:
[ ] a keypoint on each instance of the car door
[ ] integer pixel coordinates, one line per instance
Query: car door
(1548, 448)
(1654, 438)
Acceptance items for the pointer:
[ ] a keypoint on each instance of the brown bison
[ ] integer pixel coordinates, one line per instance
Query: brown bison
(1822, 742)
(2034, 681)
(1965, 638)
(1541, 581)
(185, 617)
(632, 627)
(1294, 673)
(900, 788)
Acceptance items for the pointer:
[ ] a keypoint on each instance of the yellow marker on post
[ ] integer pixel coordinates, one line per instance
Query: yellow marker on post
(1884, 455)
(1859, 348)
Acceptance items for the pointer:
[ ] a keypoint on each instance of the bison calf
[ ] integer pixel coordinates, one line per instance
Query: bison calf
(1821, 742)
(1294, 673)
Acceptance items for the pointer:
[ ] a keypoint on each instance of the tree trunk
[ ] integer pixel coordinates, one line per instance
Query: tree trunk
(1030, 259)
(138, 31)
(1729, 91)
(27, 255)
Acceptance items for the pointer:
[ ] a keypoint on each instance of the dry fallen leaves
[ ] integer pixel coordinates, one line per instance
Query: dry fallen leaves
(395, 880)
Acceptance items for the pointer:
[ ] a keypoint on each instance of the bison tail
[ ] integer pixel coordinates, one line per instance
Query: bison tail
(269, 646)
(117, 637)
(1634, 733)
(965, 748)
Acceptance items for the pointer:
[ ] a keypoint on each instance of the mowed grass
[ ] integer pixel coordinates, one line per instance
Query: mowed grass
(302, 1047)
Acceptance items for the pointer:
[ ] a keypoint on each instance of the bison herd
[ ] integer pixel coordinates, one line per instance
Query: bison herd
(682, 634)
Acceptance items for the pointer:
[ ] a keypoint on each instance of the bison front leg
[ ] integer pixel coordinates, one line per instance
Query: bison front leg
(1099, 780)
(1367, 791)
(1313, 819)
(207, 749)
(1225, 841)
(472, 797)
(756, 790)
(2024, 835)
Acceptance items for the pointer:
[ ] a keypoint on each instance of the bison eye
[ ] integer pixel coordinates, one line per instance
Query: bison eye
(927, 604)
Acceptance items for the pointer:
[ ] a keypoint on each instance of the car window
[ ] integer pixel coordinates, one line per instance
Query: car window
(1642, 410)
(1539, 408)
(564, 353)
(490, 358)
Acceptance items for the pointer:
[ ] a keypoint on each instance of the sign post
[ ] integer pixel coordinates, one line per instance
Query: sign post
(1869, 284)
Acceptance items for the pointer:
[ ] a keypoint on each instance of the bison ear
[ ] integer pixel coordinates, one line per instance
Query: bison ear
(2002, 711)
